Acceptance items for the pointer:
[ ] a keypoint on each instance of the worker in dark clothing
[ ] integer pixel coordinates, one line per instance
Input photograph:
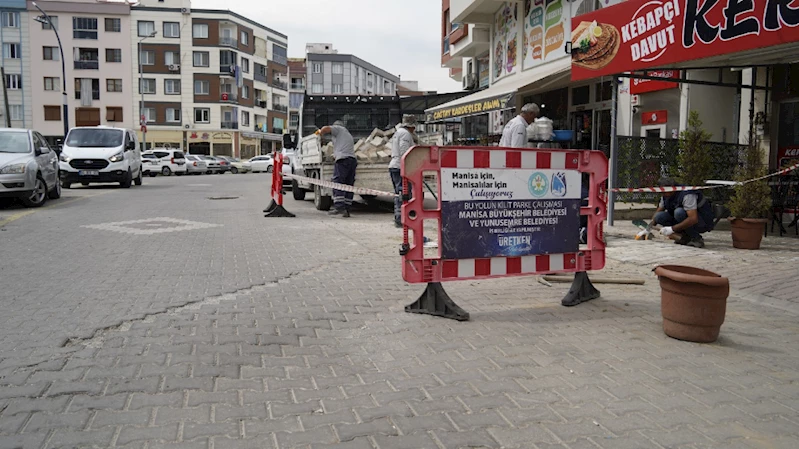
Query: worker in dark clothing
(344, 168)
(685, 215)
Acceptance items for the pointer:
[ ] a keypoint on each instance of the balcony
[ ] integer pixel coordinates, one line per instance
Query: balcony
(472, 43)
(228, 97)
(260, 103)
(473, 11)
(280, 108)
(282, 85)
(295, 86)
(228, 42)
(87, 65)
(230, 125)
(260, 77)
(282, 60)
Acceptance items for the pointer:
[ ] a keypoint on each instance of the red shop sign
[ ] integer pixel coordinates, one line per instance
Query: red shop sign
(639, 34)
(654, 117)
(640, 86)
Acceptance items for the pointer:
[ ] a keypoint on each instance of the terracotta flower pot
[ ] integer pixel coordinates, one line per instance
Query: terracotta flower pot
(747, 232)
(693, 302)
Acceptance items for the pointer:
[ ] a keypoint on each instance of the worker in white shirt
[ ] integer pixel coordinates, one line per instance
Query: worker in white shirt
(515, 133)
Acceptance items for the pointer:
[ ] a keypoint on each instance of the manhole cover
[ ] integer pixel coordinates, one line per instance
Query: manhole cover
(222, 197)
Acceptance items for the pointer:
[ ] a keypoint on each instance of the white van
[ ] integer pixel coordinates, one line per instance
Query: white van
(93, 154)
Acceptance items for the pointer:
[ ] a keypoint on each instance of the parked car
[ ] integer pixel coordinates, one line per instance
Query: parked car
(224, 165)
(265, 163)
(196, 165)
(213, 164)
(236, 164)
(150, 165)
(28, 167)
(93, 154)
(171, 161)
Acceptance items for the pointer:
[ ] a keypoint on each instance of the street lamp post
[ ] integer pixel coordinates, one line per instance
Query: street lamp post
(142, 117)
(65, 112)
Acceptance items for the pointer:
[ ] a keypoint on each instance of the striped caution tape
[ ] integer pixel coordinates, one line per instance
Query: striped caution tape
(337, 186)
(683, 188)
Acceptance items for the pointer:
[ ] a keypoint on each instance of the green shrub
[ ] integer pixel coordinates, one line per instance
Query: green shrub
(694, 161)
(753, 199)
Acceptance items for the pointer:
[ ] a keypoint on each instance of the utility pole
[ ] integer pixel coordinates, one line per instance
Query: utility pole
(5, 97)
(64, 104)
(142, 117)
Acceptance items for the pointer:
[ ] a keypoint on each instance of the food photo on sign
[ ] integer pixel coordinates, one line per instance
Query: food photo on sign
(509, 212)
(594, 45)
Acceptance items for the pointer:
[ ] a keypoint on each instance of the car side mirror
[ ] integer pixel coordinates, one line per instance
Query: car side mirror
(130, 146)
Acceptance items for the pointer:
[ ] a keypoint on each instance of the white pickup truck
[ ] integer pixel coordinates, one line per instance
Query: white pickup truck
(310, 160)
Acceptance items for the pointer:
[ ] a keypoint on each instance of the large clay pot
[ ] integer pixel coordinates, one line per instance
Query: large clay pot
(747, 232)
(693, 302)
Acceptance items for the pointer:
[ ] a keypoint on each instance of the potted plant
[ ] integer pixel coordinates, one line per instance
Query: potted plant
(751, 201)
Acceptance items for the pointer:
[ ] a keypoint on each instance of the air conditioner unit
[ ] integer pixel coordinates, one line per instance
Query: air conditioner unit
(185, 10)
(174, 67)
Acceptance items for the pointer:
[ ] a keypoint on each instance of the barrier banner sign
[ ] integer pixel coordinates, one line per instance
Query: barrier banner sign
(507, 212)
(641, 34)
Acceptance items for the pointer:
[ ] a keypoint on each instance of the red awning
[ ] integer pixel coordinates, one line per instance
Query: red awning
(645, 34)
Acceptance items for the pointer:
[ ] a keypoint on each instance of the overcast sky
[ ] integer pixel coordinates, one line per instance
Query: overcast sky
(401, 37)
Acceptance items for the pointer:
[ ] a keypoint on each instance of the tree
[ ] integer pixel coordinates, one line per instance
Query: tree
(752, 199)
(694, 160)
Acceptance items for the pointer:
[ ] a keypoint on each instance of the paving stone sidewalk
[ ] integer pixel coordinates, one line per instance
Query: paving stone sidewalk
(326, 358)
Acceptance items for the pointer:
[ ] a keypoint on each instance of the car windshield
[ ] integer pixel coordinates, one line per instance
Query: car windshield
(95, 138)
(14, 142)
(209, 158)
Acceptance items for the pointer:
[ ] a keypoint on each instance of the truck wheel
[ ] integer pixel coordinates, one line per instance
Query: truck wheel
(323, 203)
(296, 191)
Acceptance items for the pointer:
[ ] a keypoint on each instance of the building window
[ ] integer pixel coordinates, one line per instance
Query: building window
(338, 68)
(337, 88)
(50, 53)
(52, 83)
(295, 100)
(146, 28)
(113, 114)
(245, 65)
(113, 25)
(172, 87)
(172, 58)
(202, 115)
(201, 59)
(84, 28)
(245, 118)
(202, 87)
(12, 51)
(277, 125)
(113, 85)
(245, 92)
(87, 85)
(245, 38)
(171, 29)
(10, 20)
(173, 115)
(13, 81)
(52, 113)
(149, 114)
(147, 86)
(54, 20)
(147, 57)
(16, 111)
(113, 55)
(294, 120)
(317, 88)
(279, 54)
(200, 31)
(88, 59)
(317, 67)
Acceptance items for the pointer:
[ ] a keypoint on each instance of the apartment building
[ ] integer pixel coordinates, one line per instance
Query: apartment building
(212, 81)
(297, 75)
(331, 73)
(16, 57)
(97, 61)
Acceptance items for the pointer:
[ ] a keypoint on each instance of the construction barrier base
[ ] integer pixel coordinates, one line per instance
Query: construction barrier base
(582, 290)
(276, 210)
(435, 301)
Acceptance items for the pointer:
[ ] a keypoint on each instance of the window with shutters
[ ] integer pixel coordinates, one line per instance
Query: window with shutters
(113, 114)
(52, 113)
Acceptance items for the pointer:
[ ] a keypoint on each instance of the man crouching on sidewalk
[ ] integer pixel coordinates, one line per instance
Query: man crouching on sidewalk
(685, 215)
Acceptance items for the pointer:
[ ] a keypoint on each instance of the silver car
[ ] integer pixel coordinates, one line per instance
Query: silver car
(28, 167)
(195, 165)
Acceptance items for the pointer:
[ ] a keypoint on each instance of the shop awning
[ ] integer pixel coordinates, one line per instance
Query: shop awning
(500, 96)
(643, 34)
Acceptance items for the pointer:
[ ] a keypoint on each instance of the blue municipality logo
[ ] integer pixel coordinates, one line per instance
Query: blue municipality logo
(559, 184)
(538, 185)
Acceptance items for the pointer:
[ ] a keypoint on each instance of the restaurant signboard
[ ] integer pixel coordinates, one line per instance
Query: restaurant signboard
(640, 86)
(481, 106)
(641, 34)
